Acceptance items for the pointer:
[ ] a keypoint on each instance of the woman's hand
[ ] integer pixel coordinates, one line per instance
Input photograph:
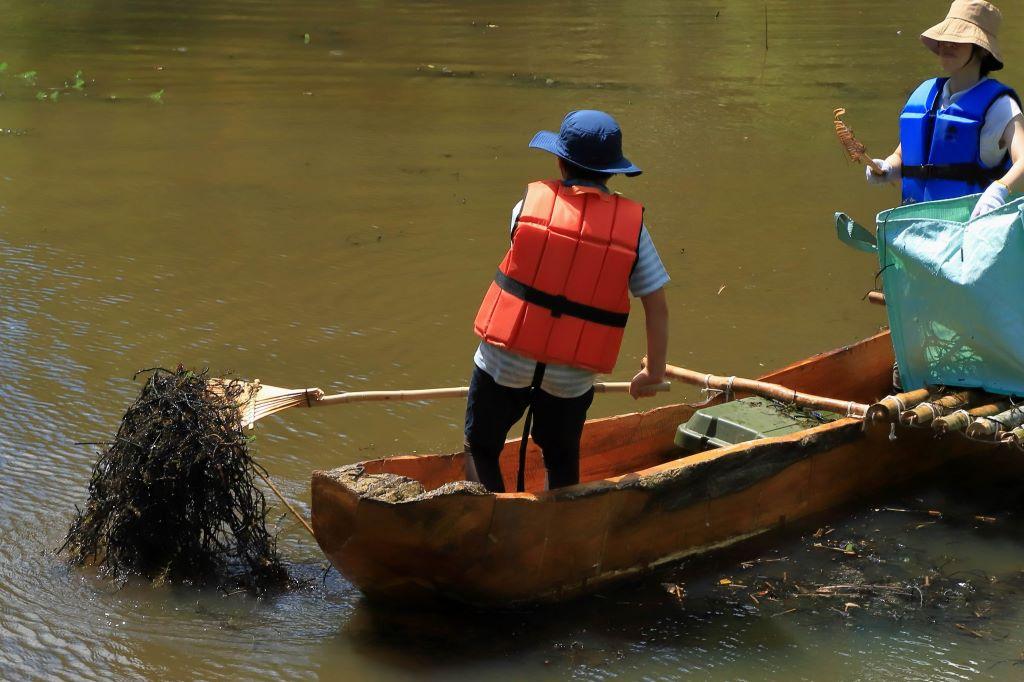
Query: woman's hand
(991, 199)
(889, 173)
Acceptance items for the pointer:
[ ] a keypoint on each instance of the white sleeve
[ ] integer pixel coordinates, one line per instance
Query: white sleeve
(1002, 111)
(515, 215)
(649, 273)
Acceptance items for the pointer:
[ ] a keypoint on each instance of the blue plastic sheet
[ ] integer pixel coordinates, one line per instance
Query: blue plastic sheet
(954, 291)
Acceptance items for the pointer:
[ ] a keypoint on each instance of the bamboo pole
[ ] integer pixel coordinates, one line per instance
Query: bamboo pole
(927, 411)
(454, 392)
(988, 428)
(876, 297)
(374, 396)
(764, 389)
(259, 400)
(1014, 437)
(295, 513)
(961, 419)
(889, 408)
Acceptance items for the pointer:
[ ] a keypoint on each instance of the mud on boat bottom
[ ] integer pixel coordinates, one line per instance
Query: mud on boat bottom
(387, 487)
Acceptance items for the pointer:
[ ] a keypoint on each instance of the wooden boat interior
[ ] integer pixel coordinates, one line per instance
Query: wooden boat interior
(630, 443)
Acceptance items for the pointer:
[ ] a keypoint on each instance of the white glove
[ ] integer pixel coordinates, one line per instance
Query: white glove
(889, 174)
(991, 199)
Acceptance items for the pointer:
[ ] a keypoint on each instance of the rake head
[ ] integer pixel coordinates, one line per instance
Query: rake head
(257, 400)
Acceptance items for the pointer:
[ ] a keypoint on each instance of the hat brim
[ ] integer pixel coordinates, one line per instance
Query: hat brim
(549, 142)
(954, 30)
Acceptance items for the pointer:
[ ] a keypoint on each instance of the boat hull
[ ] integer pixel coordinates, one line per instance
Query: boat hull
(406, 528)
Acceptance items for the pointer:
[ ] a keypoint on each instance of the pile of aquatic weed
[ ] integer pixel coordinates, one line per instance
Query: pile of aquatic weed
(173, 498)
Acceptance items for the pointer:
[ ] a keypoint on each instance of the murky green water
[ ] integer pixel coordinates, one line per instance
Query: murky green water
(329, 213)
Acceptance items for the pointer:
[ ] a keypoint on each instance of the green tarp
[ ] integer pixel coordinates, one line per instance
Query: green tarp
(954, 291)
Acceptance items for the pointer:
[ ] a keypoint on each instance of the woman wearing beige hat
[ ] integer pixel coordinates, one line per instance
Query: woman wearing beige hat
(963, 133)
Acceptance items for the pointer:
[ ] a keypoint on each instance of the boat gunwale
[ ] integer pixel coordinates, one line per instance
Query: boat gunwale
(626, 481)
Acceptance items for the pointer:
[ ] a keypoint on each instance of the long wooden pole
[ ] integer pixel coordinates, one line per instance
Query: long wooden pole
(454, 392)
(767, 390)
(295, 513)
(263, 400)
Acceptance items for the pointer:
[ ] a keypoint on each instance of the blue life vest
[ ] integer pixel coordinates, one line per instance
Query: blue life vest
(942, 148)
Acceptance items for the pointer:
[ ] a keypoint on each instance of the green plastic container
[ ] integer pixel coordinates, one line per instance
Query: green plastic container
(741, 420)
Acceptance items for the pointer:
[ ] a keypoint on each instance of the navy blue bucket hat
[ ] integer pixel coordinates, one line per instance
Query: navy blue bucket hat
(591, 140)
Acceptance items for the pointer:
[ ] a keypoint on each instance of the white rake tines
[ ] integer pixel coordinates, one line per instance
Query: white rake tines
(266, 400)
(257, 400)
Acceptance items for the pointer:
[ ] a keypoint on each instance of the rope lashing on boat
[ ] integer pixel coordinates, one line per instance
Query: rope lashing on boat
(1014, 408)
(708, 392)
(962, 411)
(892, 431)
(1001, 422)
(715, 392)
(849, 407)
(960, 419)
(727, 393)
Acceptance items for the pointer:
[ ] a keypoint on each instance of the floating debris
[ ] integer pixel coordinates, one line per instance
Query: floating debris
(173, 498)
(445, 71)
(677, 590)
(78, 83)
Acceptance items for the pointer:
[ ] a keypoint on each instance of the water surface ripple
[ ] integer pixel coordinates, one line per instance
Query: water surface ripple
(227, 194)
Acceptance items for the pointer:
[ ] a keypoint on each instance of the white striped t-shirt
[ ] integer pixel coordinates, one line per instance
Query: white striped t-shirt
(516, 371)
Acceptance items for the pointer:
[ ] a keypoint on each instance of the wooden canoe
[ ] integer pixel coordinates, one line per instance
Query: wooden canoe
(409, 528)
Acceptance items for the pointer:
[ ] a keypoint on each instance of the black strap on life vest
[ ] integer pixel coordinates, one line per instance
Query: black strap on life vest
(538, 376)
(559, 305)
(967, 172)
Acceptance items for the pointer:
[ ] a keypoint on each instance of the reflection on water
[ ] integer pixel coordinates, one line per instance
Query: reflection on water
(328, 212)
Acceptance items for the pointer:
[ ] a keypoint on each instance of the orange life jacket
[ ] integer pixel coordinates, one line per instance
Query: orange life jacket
(561, 294)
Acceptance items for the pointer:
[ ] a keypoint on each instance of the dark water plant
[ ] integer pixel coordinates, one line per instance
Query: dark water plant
(173, 498)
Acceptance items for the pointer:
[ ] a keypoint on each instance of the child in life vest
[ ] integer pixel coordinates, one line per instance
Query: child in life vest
(554, 315)
(963, 133)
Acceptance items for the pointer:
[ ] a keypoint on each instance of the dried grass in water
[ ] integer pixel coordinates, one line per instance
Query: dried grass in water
(173, 497)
